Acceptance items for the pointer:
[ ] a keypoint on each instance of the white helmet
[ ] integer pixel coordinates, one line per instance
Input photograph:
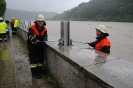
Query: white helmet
(1, 18)
(102, 28)
(13, 18)
(40, 17)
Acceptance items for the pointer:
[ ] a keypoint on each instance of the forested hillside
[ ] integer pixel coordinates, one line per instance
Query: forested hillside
(27, 15)
(2, 7)
(100, 10)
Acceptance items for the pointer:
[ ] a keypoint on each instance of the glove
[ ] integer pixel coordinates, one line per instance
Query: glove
(89, 44)
(36, 42)
(92, 44)
(44, 40)
(32, 38)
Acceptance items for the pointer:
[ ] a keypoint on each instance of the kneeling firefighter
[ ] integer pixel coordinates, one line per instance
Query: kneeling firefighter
(37, 35)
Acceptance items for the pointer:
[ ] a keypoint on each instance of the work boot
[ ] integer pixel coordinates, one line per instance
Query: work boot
(35, 74)
(13, 33)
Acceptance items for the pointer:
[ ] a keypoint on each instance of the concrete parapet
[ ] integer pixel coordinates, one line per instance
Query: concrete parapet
(85, 68)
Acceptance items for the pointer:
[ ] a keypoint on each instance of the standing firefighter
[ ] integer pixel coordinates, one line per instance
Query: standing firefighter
(37, 35)
(12, 24)
(16, 24)
(3, 26)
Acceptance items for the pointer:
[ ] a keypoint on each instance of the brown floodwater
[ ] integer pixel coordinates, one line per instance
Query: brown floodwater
(121, 35)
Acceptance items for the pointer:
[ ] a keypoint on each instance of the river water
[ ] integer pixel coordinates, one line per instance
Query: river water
(121, 35)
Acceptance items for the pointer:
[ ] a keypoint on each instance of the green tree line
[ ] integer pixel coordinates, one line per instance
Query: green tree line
(100, 10)
(2, 7)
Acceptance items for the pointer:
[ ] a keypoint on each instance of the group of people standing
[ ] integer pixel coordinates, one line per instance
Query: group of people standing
(14, 25)
(4, 28)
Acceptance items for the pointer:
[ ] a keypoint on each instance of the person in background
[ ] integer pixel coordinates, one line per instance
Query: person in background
(37, 35)
(7, 22)
(12, 23)
(3, 27)
(7, 29)
(16, 24)
(102, 43)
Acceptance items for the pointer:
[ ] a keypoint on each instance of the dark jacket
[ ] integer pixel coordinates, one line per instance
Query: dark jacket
(32, 37)
(7, 21)
(106, 45)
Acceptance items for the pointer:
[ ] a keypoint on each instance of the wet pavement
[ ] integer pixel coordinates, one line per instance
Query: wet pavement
(7, 71)
(14, 66)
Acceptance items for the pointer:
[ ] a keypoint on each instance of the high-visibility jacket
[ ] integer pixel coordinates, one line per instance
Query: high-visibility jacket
(102, 43)
(36, 32)
(16, 23)
(3, 26)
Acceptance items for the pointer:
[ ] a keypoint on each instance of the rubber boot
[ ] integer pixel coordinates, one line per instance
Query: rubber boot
(35, 74)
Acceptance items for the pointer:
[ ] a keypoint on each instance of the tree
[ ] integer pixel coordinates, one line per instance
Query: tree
(100, 10)
(2, 7)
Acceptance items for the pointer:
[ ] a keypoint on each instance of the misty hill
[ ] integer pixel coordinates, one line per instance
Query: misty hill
(100, 10)
(26, 15)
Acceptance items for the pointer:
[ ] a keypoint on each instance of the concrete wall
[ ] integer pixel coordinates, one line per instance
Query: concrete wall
(74, 67)
(68, 73)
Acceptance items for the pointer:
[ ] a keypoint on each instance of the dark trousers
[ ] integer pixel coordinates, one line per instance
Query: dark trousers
(14, 30)
(36, 56)
(3, 36)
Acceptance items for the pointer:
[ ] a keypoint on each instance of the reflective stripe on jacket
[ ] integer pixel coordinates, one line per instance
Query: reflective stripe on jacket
(102, 43)
(36, 32)
(3, 26)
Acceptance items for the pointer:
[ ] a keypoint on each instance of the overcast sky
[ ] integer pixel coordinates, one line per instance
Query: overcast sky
(43, 5)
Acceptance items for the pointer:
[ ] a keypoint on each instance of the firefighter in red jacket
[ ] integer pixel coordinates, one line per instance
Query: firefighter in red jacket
(12, 23)
(37, 35)
(102, 43)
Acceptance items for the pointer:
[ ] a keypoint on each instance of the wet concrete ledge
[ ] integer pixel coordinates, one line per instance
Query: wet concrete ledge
(76, 67)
